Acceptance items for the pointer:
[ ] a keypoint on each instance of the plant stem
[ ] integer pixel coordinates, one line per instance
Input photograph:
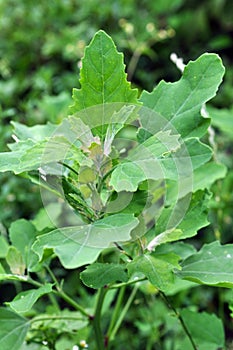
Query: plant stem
(123, 313)
(64, 296)
(96, 320)
(69, 167)
(119, 285)
(33, 282)
(73, 303)
(50, 295)
(133, 63)
(49, 318)
(53, 277)
(116, 310)
(180, 319)
(54, 302)
(124, 284)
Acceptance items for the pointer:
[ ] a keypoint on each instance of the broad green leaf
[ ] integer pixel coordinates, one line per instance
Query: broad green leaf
(212, 265)
(2, 271)
(22, 234)
(203, 178)
(80, 245)
(180, 165)
(99, 275)
(25, 138)
(198, 207)
(21, 145)
(158, 160)
(157, 268)
(35, 133)
(102, 76)
(14, 259)
(65, 321)
(144, 162)
(180, 102)
(162, 143)
(183, 249)
(207, 330)
(180, 285)
(207, 174)
(33, 156)
(222, 119)
(9, 161)
(42, 219)
(127, 176)
(13, 330)
(55, 149)
(198, 152)
(11, 277)
(47, 144)
(71, 253)
(3, 247)
(179, 221)
(24, 301)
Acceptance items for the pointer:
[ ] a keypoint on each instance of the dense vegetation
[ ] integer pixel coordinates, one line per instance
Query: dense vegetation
(153, 271)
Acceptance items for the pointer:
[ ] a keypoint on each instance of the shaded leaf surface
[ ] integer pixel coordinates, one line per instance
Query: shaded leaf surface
(65, 321)
(180, 102)
(180, 221)
(35, 133)
(24, 301)
(212, 265)
(13, 330)
(15, 260)
(206, 330)
(80, 245)
(157, 268)
(47, 144)
(22, 235)
(3, 247)
(222, 119)
(207, 174)
(158, 160)
(98, 275)
(203, 177)
(12, 277)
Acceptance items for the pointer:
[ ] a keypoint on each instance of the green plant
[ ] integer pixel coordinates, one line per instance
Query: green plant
(41, 45)
(124, 180)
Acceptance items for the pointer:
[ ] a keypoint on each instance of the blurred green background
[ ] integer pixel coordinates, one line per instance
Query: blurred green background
(41, 45)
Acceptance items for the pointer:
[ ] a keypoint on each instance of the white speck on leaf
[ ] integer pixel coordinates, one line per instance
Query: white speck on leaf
(15, 138)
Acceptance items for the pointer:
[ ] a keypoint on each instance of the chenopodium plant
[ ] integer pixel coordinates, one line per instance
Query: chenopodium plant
(124, 180)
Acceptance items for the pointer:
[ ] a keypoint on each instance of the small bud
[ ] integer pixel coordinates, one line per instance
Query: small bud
(83, 344)
(150, 27)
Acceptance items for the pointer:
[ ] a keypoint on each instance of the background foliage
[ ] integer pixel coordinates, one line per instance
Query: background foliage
(40, 50)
